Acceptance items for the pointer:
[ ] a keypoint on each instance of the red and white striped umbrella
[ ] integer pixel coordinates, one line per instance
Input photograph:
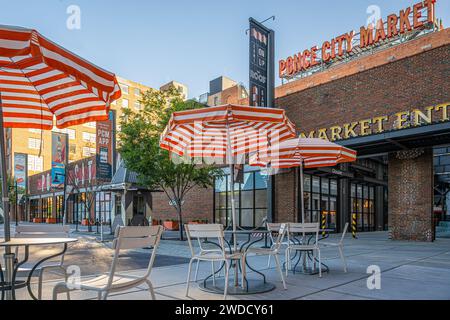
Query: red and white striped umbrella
(40, 80)
(302, 153)
(224, 132)
(228, 130)
(309, 152)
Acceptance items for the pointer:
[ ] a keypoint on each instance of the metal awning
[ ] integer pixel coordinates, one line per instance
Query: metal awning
(397, 140)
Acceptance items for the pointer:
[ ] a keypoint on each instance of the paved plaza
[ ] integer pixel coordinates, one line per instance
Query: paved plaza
(409, 271)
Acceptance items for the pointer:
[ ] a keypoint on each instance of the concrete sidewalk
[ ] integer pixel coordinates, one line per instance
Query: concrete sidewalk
(409, 271)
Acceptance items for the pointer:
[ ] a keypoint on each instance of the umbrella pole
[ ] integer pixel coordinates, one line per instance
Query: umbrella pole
(9, 256)
(302, 195)
(233, 205)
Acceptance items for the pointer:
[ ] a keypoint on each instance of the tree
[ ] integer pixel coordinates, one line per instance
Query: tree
(139, 147)
(87, 183)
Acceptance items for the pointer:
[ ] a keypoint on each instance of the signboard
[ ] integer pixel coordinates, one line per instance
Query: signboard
(105, 147)
(59, 159)
(261, 65)
(383, 123)
(416, 18)
(21, 173)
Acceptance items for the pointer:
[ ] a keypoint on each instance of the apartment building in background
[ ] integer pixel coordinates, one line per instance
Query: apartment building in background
(37, 143)
(223, 90)
(183, 89)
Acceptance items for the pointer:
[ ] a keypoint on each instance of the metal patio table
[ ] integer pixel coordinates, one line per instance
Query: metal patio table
(10, 283)
(252, 286)
(298, 256)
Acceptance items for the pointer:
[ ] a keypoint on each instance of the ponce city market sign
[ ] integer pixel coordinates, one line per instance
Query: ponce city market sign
(409, 19)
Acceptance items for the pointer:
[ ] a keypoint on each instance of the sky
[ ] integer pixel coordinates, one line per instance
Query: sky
(191, 41)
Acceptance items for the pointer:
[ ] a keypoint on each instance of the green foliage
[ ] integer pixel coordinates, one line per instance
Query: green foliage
(139, 147)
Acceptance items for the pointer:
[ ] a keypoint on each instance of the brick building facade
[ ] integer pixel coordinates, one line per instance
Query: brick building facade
(386, 105)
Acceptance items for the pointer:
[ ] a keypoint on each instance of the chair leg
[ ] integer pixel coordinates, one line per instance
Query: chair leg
(150, 289)
(277, 261)
(41, 274)
(268, 262)
(213, 270)
(196, 270)
(66, 279)
(59, 288)
(341, 253)
(189, 277)
(320, 263)
(244, 271)
(287, 262)
(225, 291)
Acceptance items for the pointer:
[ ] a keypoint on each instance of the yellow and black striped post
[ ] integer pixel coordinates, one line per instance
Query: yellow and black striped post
(354, 225)
(324, 224)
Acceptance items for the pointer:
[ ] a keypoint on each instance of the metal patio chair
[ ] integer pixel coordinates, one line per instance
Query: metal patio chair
(126, 238)
(274, 228)
(219, 254)
(304, 229)
(273, 251)
(44, 231)
(339, 245)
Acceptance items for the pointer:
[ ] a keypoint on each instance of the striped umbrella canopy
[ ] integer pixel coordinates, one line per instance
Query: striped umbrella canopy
(224, 132)
(302, 153)
(41, 82)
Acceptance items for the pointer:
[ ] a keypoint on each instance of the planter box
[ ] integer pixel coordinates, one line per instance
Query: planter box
(51, 220)
(85, 222)
(38, 220)
(171, 225)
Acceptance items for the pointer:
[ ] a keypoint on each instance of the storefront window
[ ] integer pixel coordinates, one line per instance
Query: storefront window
(250, 199)
(362, 200)
(320, 200)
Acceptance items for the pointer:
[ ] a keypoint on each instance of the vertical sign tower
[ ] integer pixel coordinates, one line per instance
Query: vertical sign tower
(262, 81)
(262, 65)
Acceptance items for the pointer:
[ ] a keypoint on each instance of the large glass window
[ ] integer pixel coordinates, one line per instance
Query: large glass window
(250, 199)
(103, 207)
(363, 206)
(320, 200)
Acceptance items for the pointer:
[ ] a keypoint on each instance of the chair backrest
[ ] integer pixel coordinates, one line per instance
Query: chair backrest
(273, 228)
(42, 231)
(131, 237)
(281, 234)
(304, 228)
(344, 232)
(205, 231)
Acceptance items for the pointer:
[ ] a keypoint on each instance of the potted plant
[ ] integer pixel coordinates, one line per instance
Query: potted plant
(85, 222)
(51, 220)
(172, 225)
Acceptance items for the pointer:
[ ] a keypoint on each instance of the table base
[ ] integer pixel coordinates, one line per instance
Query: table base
(308, 270)
(254, 287)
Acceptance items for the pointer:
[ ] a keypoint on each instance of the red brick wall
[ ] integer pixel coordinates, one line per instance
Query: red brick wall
(411, 197)
(285, 200)
(414, 82)
(198, 204)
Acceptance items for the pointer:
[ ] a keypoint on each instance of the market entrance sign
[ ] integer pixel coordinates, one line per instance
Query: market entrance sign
(417, 17)
(380, 124)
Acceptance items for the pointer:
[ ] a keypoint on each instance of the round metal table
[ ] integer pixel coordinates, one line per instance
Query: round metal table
(252, 286)
(10, 283)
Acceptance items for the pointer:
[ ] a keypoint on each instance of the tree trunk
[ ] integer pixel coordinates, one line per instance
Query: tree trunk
(180, 221)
